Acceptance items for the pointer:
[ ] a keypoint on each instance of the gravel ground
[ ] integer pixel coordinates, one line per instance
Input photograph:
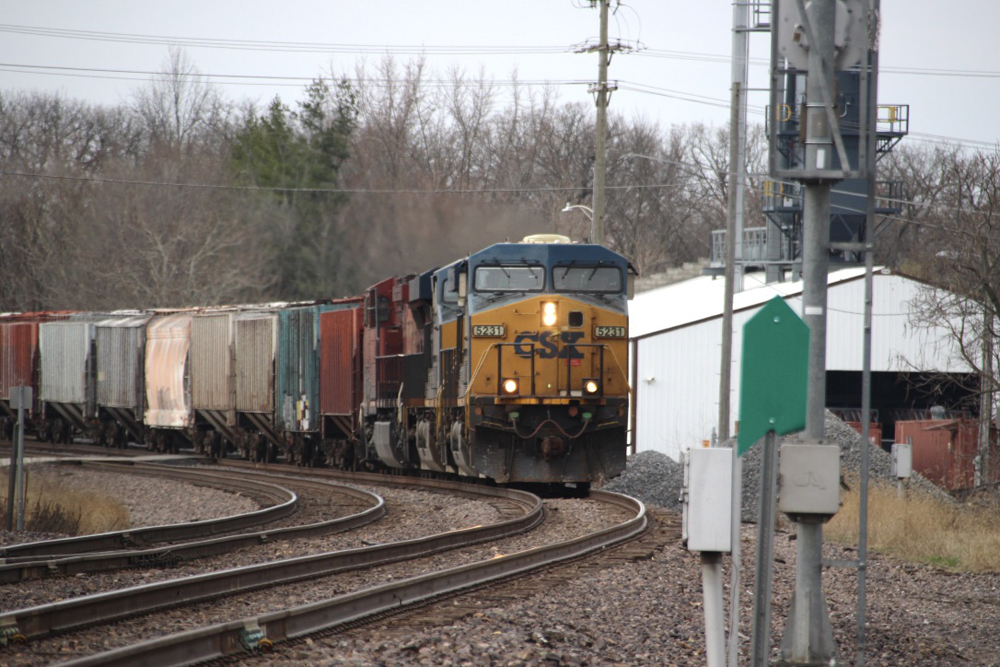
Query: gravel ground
(657, 479)
(411, 514)
(649, 612)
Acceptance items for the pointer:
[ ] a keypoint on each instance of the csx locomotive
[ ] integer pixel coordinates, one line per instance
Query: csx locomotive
(509, 364)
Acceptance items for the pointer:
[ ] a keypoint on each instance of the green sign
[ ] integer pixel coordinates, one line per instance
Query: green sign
(774, 374)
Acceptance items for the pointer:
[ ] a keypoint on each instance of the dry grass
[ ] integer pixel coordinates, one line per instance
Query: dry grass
(51, 507)
(922, 528)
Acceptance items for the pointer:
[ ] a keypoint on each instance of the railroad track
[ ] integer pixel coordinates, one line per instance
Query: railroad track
(80, 613)
(332, 615)
(129, 548)
(241, 638)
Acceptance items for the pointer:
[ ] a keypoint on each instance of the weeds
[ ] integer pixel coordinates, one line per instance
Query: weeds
(922, 528)
(53, 507)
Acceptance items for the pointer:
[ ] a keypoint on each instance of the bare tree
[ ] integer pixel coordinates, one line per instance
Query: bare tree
(166, 245)
(960, 257)
(178, 107)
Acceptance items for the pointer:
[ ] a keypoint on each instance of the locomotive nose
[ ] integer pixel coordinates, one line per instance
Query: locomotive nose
(553, 447)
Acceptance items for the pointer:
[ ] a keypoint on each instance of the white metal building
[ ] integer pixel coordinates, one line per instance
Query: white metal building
(676, 337)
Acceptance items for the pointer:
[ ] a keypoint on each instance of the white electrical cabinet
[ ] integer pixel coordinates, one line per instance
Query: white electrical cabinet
(902, 460)
(708, 493)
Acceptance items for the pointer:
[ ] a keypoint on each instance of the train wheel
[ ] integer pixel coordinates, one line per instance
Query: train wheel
(121, 437)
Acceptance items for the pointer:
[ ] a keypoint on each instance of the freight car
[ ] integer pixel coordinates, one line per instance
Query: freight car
(508, 364)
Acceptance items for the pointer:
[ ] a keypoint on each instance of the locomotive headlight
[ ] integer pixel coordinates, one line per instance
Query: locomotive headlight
(549, 313)
(509, 386)
(590, 386)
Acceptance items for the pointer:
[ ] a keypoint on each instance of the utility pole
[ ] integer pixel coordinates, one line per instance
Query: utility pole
(602, 96)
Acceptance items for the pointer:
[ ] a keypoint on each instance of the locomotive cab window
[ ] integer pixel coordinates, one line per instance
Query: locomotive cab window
(383, 310)
(605, 279)
(509, 278)
(449, 293)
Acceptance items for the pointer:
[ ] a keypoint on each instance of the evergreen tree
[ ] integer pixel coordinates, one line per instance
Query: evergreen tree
(298, 156)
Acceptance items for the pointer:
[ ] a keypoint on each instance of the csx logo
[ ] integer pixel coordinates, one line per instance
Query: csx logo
(548, 344)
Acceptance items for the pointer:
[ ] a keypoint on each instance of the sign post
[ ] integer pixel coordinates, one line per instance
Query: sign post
(20, 398)
(774, 375)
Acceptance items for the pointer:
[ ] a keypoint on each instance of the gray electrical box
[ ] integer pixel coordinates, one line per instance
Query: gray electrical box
(15, 397)
(809, 478)
(708, 493)
(902, 460)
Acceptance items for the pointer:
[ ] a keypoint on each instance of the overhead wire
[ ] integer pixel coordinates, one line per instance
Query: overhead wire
(427, 49)
(307, 47)
(296, 81)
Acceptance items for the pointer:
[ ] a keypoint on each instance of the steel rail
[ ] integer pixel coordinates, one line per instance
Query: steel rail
(76, 613)
(286, 504)
(260, 633)
(18, 569)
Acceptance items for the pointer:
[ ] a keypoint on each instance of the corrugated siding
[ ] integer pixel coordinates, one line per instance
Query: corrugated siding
(897, 345)
(256, 338)
(18, 347)
(65, 354)
(168, 339)
(120, 355)
(679, 407)
(677, 389)
(340, 380)
(297, 400)
(297, 369)
(211, 361)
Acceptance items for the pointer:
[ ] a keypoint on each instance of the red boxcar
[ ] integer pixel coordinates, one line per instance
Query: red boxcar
(19, 353)
(340, 369)
(944, 450)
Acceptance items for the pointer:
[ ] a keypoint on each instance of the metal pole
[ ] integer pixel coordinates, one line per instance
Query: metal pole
(600, 159)
(725, 369)
(870, 132)
(761, 636)
(733, 284)
(815, 267)
(12, 480)
(715, 627)
(20, 458)
(736, 561)
(985, 399)
(808, 637)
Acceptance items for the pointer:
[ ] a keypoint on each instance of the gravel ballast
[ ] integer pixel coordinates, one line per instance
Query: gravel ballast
(657, 479)
(649, 612)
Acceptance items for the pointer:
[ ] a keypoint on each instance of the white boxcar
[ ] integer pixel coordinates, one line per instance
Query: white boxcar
(120, 345)
(168, 397)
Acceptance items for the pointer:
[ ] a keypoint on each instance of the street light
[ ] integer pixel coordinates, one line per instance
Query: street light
(589, 212)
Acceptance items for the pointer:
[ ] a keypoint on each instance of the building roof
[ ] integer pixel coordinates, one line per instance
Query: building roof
(702, 298)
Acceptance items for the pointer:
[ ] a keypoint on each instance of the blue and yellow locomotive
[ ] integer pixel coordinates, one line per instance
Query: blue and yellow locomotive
(516, 367)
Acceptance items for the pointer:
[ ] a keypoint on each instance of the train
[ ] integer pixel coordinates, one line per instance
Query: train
(510, 364)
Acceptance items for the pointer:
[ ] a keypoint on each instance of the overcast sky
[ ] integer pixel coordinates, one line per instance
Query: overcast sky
(940, 58)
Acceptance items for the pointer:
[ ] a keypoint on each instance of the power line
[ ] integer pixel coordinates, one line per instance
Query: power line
(278, 46)
(267, 79)
(421, 49)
